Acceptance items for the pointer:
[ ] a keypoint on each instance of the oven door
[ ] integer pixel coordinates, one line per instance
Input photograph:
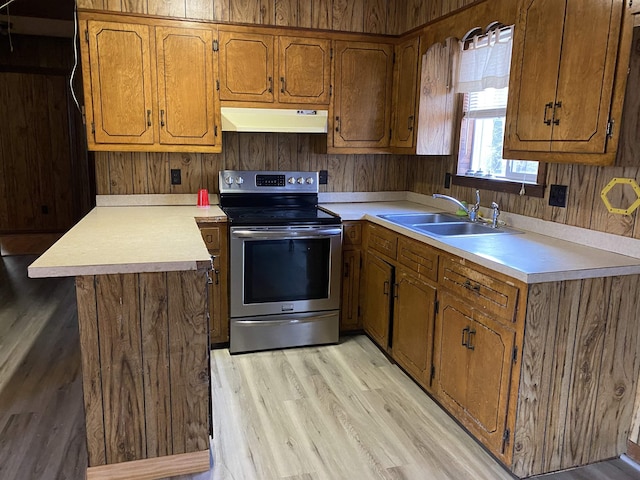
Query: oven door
(283, 270)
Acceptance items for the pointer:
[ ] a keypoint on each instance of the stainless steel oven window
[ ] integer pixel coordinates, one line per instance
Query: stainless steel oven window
(284, 269)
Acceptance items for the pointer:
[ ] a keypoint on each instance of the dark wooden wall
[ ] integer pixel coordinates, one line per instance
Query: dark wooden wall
(44, 182)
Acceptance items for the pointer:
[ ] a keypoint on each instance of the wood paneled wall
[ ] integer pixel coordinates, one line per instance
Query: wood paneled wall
(145, 364)
(44, 182)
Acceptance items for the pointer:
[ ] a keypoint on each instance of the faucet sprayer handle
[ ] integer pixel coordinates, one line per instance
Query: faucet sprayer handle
(496, 214)
(477, 199)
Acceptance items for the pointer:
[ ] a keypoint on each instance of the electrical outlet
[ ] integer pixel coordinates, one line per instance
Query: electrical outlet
(558, 195)
(447, 180)
(176, 176)
(323, 177)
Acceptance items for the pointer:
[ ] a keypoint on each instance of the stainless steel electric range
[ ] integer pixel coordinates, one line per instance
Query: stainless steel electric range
(285, 257)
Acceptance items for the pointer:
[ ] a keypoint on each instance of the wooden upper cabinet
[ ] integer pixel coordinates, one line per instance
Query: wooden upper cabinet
(121, 85)
(562, 76)
(437, 106)
(362, 95)
(149, 84)
(405, 80)
(304, 66)
(246, 66)
(185, 86)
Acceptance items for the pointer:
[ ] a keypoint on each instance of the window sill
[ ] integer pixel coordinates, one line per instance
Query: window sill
(505, 186)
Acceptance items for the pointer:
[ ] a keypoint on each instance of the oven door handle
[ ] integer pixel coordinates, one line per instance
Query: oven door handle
(286, 234)
(287, 321)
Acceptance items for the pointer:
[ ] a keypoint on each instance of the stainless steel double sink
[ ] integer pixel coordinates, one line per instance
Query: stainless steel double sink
(444, 225)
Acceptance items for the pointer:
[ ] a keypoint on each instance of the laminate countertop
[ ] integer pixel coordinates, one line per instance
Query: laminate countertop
(112, 240)
(527, 256)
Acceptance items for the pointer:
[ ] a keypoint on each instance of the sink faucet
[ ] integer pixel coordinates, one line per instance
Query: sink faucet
(495, 215)
(472, 211)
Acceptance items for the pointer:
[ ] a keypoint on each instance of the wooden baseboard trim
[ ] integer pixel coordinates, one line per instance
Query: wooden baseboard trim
(153, 468)
(633, 451)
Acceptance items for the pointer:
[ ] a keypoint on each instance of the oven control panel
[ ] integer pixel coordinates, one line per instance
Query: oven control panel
(251, 181)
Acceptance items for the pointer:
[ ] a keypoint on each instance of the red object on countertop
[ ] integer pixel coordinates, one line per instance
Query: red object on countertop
(203, 197)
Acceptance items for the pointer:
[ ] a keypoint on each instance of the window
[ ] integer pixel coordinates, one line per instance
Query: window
(483, 80)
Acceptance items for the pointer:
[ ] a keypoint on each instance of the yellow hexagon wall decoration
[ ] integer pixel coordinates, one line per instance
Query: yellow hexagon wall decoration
(613, 183)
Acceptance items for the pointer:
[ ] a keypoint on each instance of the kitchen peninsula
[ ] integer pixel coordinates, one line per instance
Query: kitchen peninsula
(141, 287)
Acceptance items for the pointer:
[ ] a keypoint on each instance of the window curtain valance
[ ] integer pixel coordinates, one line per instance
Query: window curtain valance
(485, 61)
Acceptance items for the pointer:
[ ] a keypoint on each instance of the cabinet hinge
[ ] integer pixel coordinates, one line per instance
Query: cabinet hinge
(610, 128)
(215, 130)
(437, 306)
(86, 35)
(433, 372)
(84, 115)
(505, 439)
(514, 357)
(93, 128)
(331, 53)
(217, 85)
(330, 90)
(216, 46)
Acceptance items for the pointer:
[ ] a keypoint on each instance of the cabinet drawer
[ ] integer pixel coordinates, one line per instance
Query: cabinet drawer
(480, 288)
(419, 257)
(211, 237)
(352, 233)
(382, 240)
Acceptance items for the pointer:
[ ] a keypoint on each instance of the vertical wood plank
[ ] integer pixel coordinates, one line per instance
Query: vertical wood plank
(246, 11)
(189, 360)
(113, 5)
(286, 12)
(158, 174)
(121, 358)
(191, 171)
(560, 374)
(348, 15)
(619, 368)
(167, 8)
(154, 327)
(322, 14)
(305, 13)
(581, 196)
(103, 179)
(199, 9)
(221, 10)
(93, 4)
(396, 17)
(589, 342)
(91, 369)
(211, 165)
(375, 16)
(120, 173)
(231, 151)
(141, 168)
(134, 6)
(287, 152)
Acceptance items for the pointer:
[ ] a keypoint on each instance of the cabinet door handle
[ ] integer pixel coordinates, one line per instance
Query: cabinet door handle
(410, 124)
(385, 288)
(148, 118)
(465, 342)
(337, 124)
(162, 118)
(470, 345)
(282, 85)
(217, 272)
(556, 121)
(469, 286)
(270, 84)
(395, 290)
(547, 106)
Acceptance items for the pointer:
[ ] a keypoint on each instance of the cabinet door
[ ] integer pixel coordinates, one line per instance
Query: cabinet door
(218, 301)
(452, 337)
(562, 75)
(185, 86)
(436, 114)
(378, 276)
(121, 83)
(246, 66)
(362, 99)
(488, 381)
(350, 290)
(405, 81)
(413, 323)
(304, 66)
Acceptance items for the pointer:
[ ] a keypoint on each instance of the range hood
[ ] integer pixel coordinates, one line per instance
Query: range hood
(273, 120)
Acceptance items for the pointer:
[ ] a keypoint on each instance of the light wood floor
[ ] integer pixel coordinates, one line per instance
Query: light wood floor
(332, 412)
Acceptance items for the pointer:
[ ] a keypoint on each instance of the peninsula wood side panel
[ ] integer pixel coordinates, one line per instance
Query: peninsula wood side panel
(579, 373)
(145, 362)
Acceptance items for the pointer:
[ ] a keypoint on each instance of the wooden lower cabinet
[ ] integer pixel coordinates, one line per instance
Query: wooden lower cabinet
(413, 323)
(474, 358)
(350, 318)
(216, 240)
(378, 280)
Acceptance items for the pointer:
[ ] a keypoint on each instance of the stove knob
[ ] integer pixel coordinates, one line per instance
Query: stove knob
(301, 180)
(291, 180)
(310, 181)
(239, 180)
(228, 180)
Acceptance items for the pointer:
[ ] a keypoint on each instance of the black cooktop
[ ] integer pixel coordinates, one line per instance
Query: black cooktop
(258, 216)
